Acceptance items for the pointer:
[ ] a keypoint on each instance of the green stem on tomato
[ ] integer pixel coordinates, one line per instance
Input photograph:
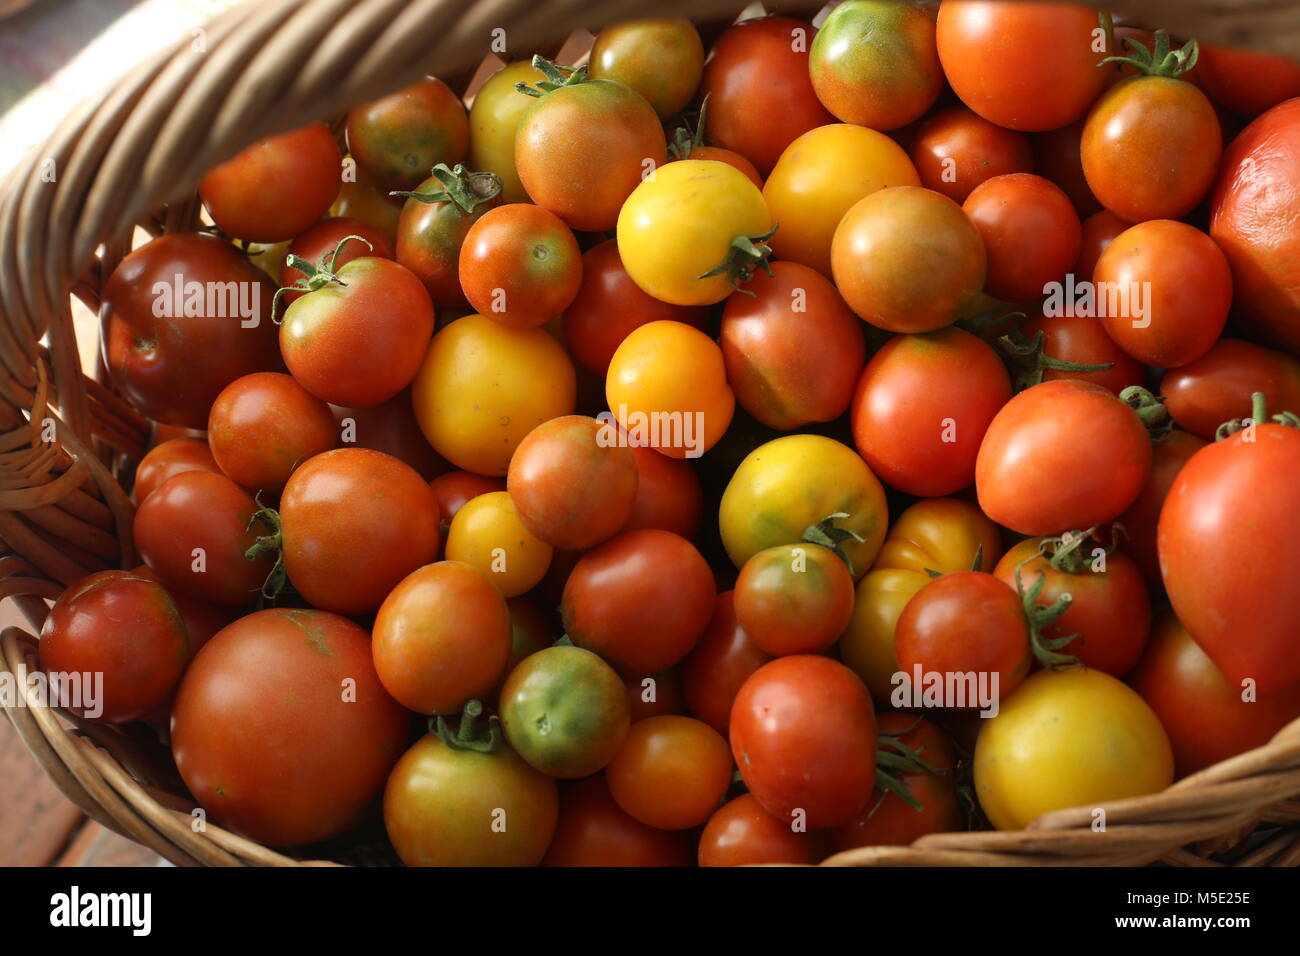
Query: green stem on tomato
(460, 186)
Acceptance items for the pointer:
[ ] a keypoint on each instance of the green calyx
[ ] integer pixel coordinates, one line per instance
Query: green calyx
(893, 759)
(745, 255)
(1065, 553)
(1027, 361)
(1162, 60)
(557, 77)
(1150, 410)
(272, 542)
(1040, 617)
(460, 186)
(470, 734)
(825, 533)
(1258, 416)
(686, 139)
(316, 276)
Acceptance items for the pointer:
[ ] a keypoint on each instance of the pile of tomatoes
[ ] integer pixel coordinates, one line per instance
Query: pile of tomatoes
(861, 432)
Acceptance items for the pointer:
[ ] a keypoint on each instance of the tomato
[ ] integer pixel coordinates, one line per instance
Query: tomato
(561, 132)
(360, 198)
(1247, 81)
(435, 220)
(1025, 66)
(203, 620)
(922, 406)
(441, 638)
(465, 798)
(742, 833)
(689, 150)
(1031, 234)
(908, 259)
(171, 345)
(483, 387)
(721, 662)
(488, 534)
(122, 634)
(668, 494)
(193, 531)
(804, 737)
(1231, 510)
(1253, 211)
(531, 630)
(885, 83)
(1082, 339)
(520, 265)
(593, 830)
(794, 599)
(1061, 456)
(889, 820)
(818, 179)
(1167, 459)
(1058, 157)
(573, 485)
(710, 209)
(565, 711)
(955, 150)
(792, 482)
(667, 387)
(494, 121)
(609, 305)
(754, 64)
(281, 729)
(662, 59)
(398, 138)
(1099, 231)
(264, 425)
(1208, 719)
(356, 339)
(353, 523)
(1068, 738)
(671, 772)
(455, 488)
(276, 188)
(391, 427)
(323, 239)
(641, 600)
(1217, 387)
(1185, 282)
(170, 458)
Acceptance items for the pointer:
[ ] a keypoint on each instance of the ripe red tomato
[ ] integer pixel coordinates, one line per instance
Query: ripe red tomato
(593, 830)
(122, 634)
(434, 222)
(171, 346)
(264, 425)
(1167, 459)
(794, 599)
(520, 265)
(1099, 231)
(804, 737)
(1061, 456)
(353, 523)
(655, 695)
(641, 600)
(1082, 339)
(203, 620)
(170, 458)
(982, 46)
(398, 138)
(193, 531)
(671, 772)
(668, 494)
(742, 833)
(1246, 81)
(277, 187)
(955, 150)
(323, 239)
(1217, 387)
(281, 729)
(1031, 234)
(722, 661)
(1190, 291)
(757, 62)
(765, 336)
(922, 406)
(391, 427)
(457, 487)
(1057, 157)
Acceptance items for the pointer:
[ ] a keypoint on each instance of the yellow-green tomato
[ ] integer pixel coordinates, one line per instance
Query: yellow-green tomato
(493, 122)
(660, 58)
(867, 644)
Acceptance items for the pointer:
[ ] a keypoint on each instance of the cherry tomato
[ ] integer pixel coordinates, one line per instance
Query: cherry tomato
(722, 661)
(323, 239)
(668, 494)
(593, 830)
(662, 59)
(956, 149)
(170, 458)
(520, 265)
(1140, 520)
(455, 488)
(360, 198)
(671, 772)
(398, 138)
(742, 833)
(1247, 81)
(391, 427)
(794, 599)
(493, 122)
(488, 535)
(531, 630)
(1082, 339)
(654, 695)
(1217, 387)
(1058, 157)
(1099, 231)
(264, 425)
(1031, 234)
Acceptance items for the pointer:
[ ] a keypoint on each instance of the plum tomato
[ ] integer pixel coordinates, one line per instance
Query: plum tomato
(956, 149)
(488, 535)
(742, 833)
(720, 663)
(671, 772)
(169, 458)
(1031, 234)
(520, 265)
(794, 599)
(593, 830)
(661, 58)
(1218, 386)
(398, 138)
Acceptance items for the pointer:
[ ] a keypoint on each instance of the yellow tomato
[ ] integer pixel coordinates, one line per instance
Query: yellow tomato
(267, 256)
(867, 645)
(361, 198)
(683, 221)
(483, 387)
(790, 483)
(819, 176)
(487, 534)
(493, 122)
(1070, 738)
(667, 386)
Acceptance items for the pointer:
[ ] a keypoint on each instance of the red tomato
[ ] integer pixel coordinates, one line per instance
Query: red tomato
(193, 531)
(391, 427)
(985, 51)
(955, 150)
(1190, 292)
(1099, 231)
(1167, 459)
(671, 772)
(124, 637)
(457, 487)
(277, 187)
(1246, 81)
(922, 407)
(804, 737)
(323, 238)
(203, 619)
(1031, 234)
(765, 336)
(520, 265)
(1217, 387)
(668, 494)
(170, 346)
(1082, 339)
(281, 729)
(170, 458)
(794, 599)
(754, 64)
(656, 695)
(1057, 157)
(593, 830)
(1061, 456)
(742, 833)
(713, 673)
(398, 138)
(641, 600)
(434, 222)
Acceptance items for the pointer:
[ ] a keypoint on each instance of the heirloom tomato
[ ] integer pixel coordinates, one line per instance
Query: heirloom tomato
(1031, 234)
(457, 487)
(1099, 231)
(742, 833)
(520, 265)
(722, 661)
(956, 149)
(671, 772)
(361, 199)
(398, 138)
(662, 59)
(1057, 158)
(668, 494)
(494, 121)
(794, 599)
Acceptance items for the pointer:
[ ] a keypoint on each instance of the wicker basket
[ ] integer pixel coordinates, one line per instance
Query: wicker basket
(132, 156)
